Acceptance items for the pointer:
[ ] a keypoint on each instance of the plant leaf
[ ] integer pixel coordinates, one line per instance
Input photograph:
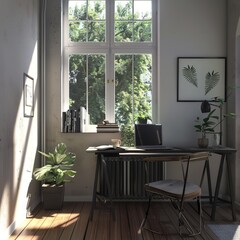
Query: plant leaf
(211, 80)
(41, 173)
(58, 168)
(232, 115)
(60, 157)
(190, 74)
(60, 148)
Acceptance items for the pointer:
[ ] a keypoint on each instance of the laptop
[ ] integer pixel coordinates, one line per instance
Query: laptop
(149, 136)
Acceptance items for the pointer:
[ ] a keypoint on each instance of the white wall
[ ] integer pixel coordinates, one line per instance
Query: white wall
(187, 28)
(19, 43)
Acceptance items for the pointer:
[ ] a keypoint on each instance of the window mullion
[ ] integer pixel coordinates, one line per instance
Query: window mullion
(86, 82)
(110, 88)
(133, 94)
(110, 82)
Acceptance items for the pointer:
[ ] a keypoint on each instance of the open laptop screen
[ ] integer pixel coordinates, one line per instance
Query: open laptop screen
(148, 134)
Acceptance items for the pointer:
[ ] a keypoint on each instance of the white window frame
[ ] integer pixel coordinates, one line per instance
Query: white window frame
(109, 48)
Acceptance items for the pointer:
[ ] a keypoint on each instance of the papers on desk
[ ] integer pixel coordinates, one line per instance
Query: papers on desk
(104, 147)
(101, 147)
(110, 147)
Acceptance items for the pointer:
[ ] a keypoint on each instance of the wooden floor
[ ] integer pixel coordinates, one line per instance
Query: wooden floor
(71, 223)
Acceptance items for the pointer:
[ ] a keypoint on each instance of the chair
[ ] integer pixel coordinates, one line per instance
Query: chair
(178, 191)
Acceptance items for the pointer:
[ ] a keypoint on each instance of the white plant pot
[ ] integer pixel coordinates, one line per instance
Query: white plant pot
(216, 139)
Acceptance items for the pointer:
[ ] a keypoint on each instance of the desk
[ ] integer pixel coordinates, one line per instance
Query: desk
(122, 152)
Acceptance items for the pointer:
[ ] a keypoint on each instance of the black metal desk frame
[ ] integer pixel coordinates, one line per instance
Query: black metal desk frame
(223, 151)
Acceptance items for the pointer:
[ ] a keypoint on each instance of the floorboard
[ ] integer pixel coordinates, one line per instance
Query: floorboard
(71, 222)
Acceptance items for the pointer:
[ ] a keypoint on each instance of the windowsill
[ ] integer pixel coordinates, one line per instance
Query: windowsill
(92, 129)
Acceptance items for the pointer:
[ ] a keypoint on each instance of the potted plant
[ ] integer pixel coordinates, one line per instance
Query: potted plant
(209, 123)
(204, 126)
(143, 118)
(56, 171)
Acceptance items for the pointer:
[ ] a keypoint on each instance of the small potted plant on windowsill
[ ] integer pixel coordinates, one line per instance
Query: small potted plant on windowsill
(54, 174)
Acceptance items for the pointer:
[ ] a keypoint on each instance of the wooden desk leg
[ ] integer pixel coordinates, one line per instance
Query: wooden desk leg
(94, 195)
(231, 190)
(219, 178)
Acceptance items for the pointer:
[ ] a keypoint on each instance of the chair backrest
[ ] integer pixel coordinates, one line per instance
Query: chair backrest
(183, 158)
(167, 158)
(197, 156)
(193, 157)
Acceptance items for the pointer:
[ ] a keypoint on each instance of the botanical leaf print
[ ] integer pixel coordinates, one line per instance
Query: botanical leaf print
(190, 75)
(211, 81)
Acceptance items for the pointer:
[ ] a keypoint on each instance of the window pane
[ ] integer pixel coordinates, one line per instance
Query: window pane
(142, 10)
(133, 99)
(77, 85)
(123, 10)
(77, 10)
(123, 31)
(96, 88)
(96, 31)
(142, 31)
(78, 31)
(133, 21)
(96, 10)
(87, 21)
(87, 85)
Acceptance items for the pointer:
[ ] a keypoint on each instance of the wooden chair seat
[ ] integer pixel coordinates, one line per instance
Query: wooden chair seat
(174, 189)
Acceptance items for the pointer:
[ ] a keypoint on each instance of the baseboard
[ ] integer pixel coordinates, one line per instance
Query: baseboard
(7, 233)
(12, 227)
(78, 198)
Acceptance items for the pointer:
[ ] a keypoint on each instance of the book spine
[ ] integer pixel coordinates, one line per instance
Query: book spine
(82, 119)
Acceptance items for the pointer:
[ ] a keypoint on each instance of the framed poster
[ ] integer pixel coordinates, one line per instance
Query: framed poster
(200, 79)
(28, 98)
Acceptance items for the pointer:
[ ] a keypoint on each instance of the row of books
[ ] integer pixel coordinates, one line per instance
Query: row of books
(107, 127)
(71, 121)
(74, 120)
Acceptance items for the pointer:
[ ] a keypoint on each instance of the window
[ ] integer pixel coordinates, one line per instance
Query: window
(109, 58)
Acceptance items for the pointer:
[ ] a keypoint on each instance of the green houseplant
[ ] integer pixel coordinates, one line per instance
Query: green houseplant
(210, 122)
(204, 126)
(56, 171)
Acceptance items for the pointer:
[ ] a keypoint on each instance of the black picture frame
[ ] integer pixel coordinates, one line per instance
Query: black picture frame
(201, 78)
(28, 95)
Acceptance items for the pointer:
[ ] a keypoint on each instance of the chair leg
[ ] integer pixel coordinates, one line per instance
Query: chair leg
(183, 221)
(146, 215)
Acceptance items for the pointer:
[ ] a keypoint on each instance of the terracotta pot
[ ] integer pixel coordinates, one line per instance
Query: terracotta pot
(203, 142)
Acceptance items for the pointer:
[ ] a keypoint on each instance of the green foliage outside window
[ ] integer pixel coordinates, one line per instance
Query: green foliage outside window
(133, 72)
